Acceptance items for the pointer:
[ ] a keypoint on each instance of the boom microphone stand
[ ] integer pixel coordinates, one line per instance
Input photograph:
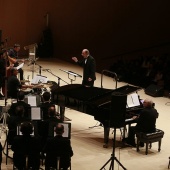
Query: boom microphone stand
(113, 158)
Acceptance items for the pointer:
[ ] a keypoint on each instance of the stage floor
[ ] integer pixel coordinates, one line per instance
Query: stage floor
(87, 143)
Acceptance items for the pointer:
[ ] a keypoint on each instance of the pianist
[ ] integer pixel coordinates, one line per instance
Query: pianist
(89, 68)
(146, 122)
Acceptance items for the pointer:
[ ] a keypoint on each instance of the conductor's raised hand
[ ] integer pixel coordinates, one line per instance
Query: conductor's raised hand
(75, 59)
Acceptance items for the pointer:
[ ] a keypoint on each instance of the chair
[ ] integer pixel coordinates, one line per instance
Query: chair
(57, 165)
(26, 161)
(149, 138)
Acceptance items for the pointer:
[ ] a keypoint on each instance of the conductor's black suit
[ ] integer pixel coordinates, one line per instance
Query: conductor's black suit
(89, 68)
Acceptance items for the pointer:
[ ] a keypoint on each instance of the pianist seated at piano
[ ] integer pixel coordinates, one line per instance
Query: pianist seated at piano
(146, 122)
(14, 85)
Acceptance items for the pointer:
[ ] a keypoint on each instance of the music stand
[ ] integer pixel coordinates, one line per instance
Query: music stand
(32, 53)
(70, 73)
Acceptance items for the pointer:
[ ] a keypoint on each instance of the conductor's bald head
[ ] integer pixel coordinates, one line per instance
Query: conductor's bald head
(85, 53)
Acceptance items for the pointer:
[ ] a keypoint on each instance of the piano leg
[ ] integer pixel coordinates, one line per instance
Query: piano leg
(106, 136)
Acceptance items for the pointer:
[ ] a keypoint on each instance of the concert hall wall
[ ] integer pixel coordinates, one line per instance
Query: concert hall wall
(108, 28)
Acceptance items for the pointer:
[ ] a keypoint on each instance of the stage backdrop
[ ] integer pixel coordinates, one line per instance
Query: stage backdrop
(108, 28)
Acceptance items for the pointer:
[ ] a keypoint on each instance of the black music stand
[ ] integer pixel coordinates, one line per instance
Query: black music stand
(113, 158)
(70, 73)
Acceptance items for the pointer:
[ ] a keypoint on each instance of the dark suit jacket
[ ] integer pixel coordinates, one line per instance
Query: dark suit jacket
(58, 146)
(89, 68)
(13, 86)
(26, 106)
(13, 122)
(26, 145)
(46, 129)
(147, 120)
(44, 107)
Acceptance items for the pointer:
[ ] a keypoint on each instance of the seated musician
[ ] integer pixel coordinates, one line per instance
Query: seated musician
(3, 69)
(13, 56)
(14, 85)
(13, 122)
(20, 102)
(146, 122)
(58, 146)
(43, 126)
(46, 104)
(28, 146)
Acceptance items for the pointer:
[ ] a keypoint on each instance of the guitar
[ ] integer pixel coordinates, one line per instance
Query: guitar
(14, 60)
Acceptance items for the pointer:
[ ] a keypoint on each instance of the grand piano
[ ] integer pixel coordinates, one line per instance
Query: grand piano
(95, 101)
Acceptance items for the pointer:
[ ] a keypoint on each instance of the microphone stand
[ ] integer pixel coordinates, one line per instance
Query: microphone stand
(33, 62)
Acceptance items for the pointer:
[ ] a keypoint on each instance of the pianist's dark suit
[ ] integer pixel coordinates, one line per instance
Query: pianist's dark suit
(146, 123)
(89, 68)
(58, 146)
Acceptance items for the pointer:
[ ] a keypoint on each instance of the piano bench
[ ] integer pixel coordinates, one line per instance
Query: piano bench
(149, 138)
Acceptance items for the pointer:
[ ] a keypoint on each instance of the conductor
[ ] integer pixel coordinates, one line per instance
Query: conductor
(89, 67)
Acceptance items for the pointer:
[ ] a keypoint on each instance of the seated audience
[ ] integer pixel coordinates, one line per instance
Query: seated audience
(20, 102)
(26, 146)
(146, 122)
(58, 147)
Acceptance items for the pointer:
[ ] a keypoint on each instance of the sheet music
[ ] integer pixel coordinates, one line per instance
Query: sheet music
(20, 66)
(39, 79)
(32, 100)
(133, 100)
(35, 113)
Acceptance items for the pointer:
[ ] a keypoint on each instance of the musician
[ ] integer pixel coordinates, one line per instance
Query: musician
(46, 104)
(20, 102)
(2, 72)
(13, 57)
(58, 146)
(26, 145)
(89, 67)
(13, 122)
(14, 85)
(3, 68)
(146, 122)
